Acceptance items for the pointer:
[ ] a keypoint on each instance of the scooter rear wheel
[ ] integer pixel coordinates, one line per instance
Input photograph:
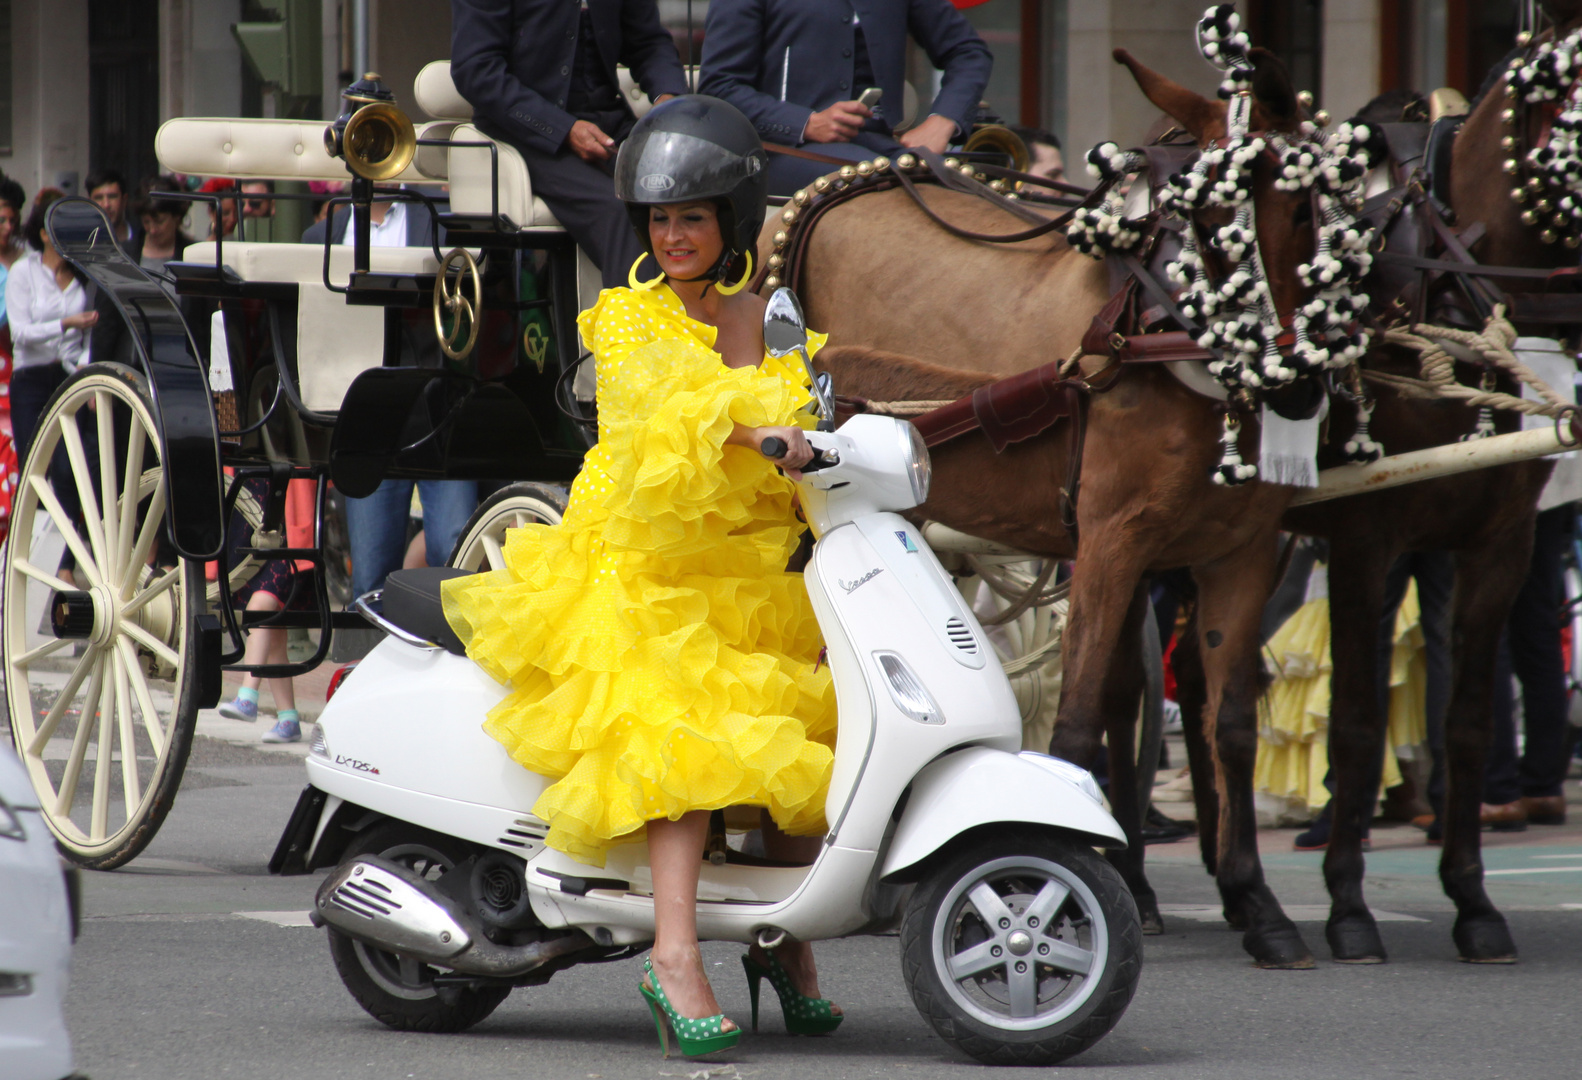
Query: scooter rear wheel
(398, 991)
(1021, 947)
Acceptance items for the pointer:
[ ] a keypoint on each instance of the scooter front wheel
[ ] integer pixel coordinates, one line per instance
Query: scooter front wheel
(1021, 947)
(396, 990)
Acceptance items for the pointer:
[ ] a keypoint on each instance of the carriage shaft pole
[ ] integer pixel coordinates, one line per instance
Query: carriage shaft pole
(1434, 462)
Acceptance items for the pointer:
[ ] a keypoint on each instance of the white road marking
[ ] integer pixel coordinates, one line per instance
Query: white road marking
(279, 918)
(1536, 870)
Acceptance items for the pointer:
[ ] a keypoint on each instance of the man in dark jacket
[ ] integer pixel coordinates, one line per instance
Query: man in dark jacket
(797, 68)
(540, 75)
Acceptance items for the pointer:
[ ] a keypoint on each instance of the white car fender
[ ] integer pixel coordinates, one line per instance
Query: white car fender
(979, 786)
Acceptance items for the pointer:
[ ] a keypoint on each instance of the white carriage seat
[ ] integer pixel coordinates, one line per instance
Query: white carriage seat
(336, 341)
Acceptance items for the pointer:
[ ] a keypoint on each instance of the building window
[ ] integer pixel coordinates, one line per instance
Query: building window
(1294, 31)
(1427, 44)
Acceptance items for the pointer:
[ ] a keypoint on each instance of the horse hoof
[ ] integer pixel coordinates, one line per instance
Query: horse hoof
(1355, 940)
(1153, 923)
(1278, 949)
(1484, 940)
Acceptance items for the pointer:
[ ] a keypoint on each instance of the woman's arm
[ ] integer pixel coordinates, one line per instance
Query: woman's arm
(798, 451)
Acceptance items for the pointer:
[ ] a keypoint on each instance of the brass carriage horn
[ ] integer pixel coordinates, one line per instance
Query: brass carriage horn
(374, 137)
(998, 137)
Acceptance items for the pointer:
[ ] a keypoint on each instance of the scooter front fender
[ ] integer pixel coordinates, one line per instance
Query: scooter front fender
(978, 786)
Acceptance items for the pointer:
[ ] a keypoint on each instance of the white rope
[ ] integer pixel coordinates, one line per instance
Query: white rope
(1438, 367)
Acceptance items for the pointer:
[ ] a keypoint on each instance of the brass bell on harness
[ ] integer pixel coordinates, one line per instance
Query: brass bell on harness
(1558, 221)
(952, 163)
(1304, 98)
(998, 186)
(1510, 166)
(1524, 38)
(802, 198)
(772, 281)
(1509, 115)
(788, 215)
(881, 164)
(848, 172)
(864, 168)
(782, 239)
(1534, 184)
(821, 185)
(906, 161)
(776, 261)
(1529, 217)
(1573, 241)
(1543, 206)
(1322, 118)
(1548, 236)
(1518, 194)
(1508, 142)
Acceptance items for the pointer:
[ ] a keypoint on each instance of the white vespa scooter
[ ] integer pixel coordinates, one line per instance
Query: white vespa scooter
(1020, 944)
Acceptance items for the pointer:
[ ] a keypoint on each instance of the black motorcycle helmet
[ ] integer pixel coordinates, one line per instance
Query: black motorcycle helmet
(693, 148)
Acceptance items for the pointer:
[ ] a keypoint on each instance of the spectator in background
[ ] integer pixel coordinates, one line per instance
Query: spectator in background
(47, 306)
(394, 224)
(11, 249)
(160, 216)
(223, 223)
(258, 213)
(107, 188)
(1048, 161)
(797, 67)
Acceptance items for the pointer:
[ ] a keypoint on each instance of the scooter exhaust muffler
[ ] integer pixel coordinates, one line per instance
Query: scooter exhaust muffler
(383, 904)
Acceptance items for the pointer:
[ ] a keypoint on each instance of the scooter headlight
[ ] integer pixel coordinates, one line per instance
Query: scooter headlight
(919, 469)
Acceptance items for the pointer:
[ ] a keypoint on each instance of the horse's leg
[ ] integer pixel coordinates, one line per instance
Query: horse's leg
(1487, 580)
(1102, 688)
(1231, 594)
(1357, 571)
(1191, 695)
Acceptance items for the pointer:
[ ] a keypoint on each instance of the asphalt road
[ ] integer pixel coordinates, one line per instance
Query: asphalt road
(194, 963)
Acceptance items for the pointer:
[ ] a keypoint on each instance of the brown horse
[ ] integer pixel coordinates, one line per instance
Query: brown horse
(1487, 519)
(1151, 446)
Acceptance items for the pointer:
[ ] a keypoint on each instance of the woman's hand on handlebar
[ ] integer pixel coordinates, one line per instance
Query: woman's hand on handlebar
(798, 451)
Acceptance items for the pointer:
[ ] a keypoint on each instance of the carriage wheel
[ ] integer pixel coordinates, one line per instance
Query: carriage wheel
(513, 505)
(99, 636)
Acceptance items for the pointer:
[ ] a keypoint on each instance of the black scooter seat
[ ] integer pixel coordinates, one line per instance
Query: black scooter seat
(412, 602)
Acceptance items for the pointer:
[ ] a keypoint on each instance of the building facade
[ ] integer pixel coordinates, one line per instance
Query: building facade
(84, 84)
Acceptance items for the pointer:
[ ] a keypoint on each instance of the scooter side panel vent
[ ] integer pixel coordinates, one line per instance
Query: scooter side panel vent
(960, 635)
(522, 834)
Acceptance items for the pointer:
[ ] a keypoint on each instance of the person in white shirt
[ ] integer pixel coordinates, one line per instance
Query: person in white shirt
(51, 314)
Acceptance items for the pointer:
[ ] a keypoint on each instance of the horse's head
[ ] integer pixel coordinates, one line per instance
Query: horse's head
(1284, 218)
(1270, 253)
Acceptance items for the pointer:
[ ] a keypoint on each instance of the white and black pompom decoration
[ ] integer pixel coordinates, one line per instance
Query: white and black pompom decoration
(1231, 470)
(1224, 44)
(1360, 448)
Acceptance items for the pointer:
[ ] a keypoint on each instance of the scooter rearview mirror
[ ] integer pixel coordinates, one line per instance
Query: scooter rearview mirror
(785, 332)
(784, 329)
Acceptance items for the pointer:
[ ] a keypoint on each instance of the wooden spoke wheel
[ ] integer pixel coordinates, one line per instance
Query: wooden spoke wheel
(99, 637)
(482, 541)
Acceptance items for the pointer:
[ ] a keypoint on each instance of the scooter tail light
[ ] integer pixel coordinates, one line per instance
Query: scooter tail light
(320, 746)
(338, 678)
(907, 690)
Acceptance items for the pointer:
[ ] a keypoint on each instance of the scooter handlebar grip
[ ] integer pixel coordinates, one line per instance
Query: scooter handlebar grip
(773, 447)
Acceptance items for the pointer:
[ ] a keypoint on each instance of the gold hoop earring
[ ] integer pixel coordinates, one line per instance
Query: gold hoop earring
(642, 286)
(732, 290)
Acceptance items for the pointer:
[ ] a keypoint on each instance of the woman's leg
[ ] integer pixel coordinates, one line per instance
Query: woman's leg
(795, 956)
(262, 646)
(675, 854)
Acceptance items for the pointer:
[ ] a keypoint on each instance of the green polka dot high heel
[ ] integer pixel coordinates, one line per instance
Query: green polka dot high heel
(803, 1015)
(705, 1035)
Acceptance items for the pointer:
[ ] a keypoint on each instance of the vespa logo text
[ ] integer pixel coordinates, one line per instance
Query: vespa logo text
(853, 586)
(657, 182)
(353, 763)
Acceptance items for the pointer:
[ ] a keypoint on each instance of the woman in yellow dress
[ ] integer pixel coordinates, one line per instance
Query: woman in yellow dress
(662, 662)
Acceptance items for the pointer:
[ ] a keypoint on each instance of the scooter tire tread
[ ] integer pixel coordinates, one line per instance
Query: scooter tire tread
(1097, 1017)
(431, 1016)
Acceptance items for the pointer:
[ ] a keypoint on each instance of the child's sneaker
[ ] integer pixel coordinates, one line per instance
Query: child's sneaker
(239, 709)
(284, 731)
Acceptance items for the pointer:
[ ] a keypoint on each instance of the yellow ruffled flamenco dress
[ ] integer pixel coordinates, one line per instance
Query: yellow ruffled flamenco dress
(1293, 735)
(660, 658)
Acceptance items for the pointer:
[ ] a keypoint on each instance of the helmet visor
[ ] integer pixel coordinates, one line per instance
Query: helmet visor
(672, 167)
